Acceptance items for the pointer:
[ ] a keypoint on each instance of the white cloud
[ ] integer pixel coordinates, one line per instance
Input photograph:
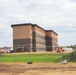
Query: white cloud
(59, 15)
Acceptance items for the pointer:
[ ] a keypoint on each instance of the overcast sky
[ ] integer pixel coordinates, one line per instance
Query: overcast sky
(57, 15)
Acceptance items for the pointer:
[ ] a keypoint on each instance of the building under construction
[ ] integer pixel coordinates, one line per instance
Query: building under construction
(31, 37)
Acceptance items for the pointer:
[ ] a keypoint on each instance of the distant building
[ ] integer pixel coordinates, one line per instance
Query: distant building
(67, 49)
(31, 37)
(5, 49)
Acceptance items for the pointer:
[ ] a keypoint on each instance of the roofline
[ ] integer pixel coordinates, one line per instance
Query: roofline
(51, 31)
(44, 29)
(20, 24)
(33, 25)
(38, 26)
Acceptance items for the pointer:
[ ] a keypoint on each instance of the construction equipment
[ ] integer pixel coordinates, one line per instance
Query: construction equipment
(58, 48)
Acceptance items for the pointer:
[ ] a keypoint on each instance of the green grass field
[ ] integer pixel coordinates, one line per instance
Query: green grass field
(29, 57)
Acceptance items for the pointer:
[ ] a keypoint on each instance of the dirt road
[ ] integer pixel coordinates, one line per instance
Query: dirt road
(37, 69)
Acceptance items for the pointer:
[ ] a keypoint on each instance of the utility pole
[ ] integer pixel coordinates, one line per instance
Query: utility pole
(0, 57)
(30, 57)
(63, 60)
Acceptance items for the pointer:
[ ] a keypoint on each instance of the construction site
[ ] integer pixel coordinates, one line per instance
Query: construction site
(36, 52)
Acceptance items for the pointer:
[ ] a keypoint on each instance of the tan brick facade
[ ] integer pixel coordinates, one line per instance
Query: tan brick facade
(31, 37)
(21, 32)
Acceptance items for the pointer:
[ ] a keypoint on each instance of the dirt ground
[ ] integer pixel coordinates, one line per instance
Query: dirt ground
(37, 69)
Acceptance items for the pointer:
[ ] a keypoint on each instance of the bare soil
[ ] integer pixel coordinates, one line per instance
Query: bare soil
(37, 69)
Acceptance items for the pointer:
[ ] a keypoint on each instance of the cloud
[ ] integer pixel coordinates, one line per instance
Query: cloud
(58, 15)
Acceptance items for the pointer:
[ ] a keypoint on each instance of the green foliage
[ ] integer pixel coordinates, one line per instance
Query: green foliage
(71, 57)
(73, 46)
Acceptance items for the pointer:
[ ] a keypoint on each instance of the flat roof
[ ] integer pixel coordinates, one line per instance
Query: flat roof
(21, 24)
(51, 31)
(33, 25)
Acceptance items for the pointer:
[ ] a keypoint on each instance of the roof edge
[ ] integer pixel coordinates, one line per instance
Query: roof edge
(21, 24)
(33, 25)
(51, 31)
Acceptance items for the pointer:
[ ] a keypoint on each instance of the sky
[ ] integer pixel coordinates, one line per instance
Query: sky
(57, 15)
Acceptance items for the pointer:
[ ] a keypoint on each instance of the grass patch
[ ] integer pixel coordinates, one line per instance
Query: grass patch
(28, 57)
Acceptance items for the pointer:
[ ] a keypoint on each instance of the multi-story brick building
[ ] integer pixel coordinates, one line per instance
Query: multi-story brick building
(31, 37)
